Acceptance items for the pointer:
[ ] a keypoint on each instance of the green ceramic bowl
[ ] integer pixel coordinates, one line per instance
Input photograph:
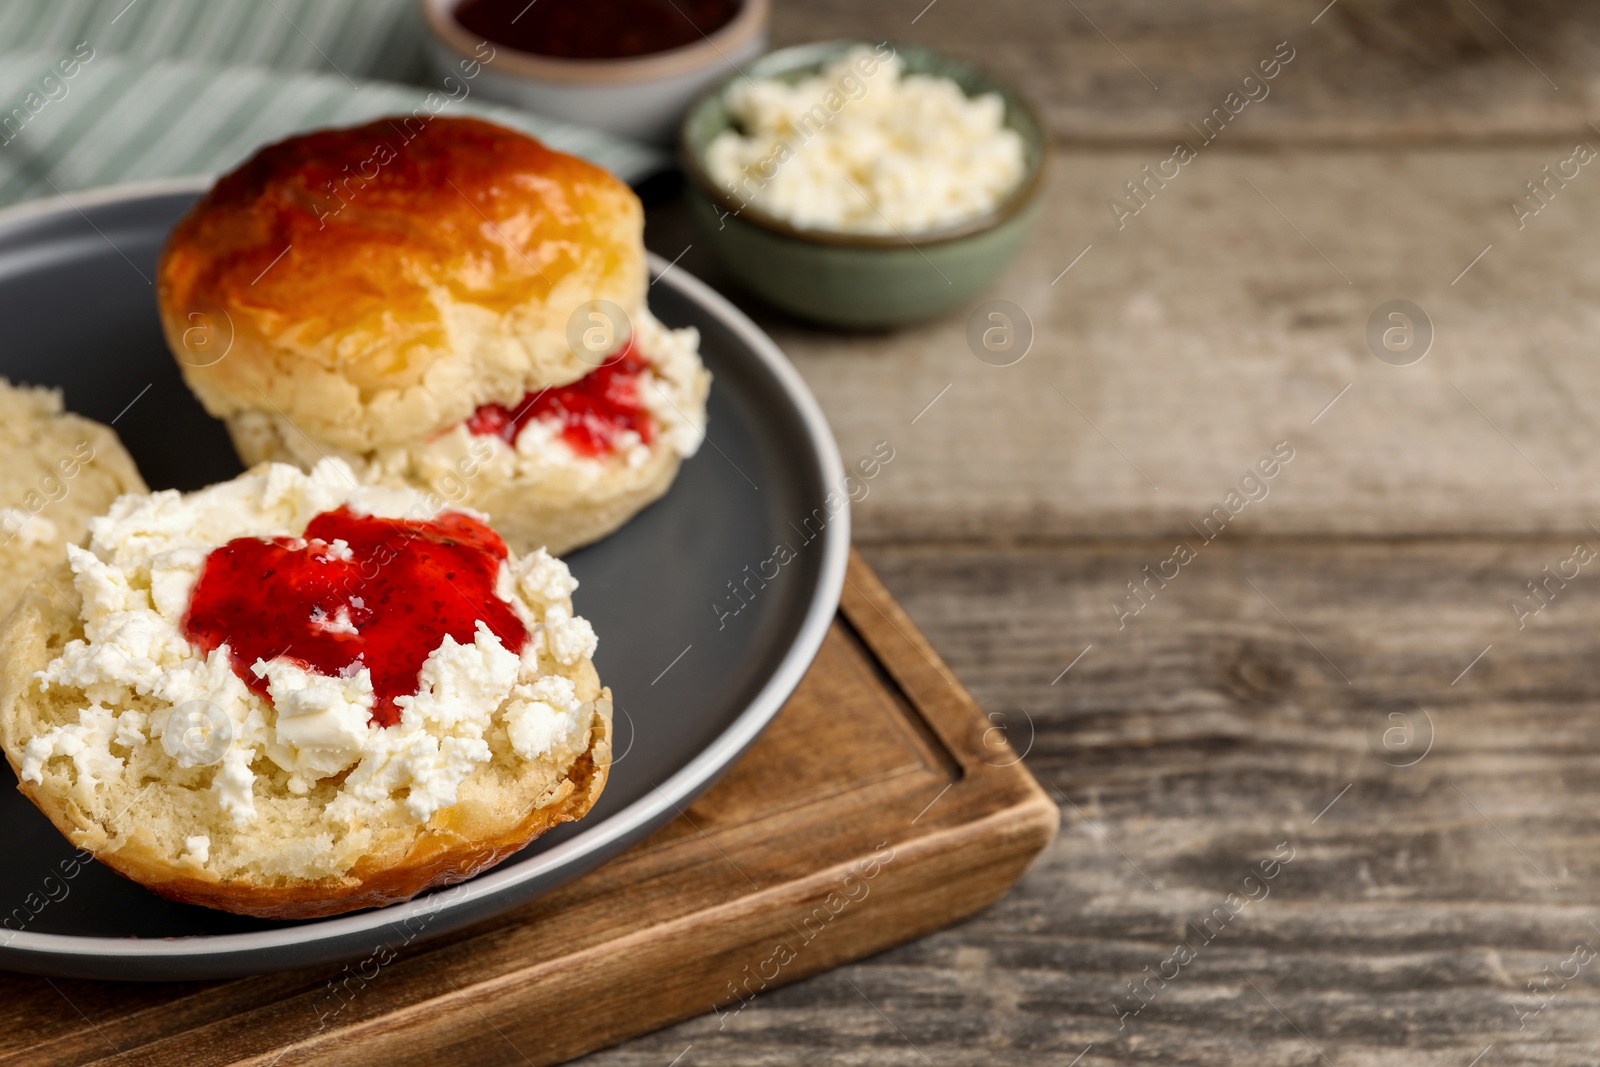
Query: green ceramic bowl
(860, 280)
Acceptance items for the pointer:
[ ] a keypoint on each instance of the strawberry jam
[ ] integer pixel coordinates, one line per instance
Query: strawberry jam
(385, 606)
(593, 411)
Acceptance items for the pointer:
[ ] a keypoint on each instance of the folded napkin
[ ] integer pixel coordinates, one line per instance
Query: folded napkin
(383, 40)
(96, 92)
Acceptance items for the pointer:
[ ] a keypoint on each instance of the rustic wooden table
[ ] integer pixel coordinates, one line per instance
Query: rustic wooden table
(1326, 792)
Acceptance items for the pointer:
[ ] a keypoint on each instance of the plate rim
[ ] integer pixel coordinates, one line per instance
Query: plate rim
(32, 946)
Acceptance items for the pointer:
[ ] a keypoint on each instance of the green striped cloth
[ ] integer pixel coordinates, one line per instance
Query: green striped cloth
(175, 87)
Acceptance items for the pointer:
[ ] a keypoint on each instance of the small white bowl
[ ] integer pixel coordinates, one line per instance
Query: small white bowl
(641, 97)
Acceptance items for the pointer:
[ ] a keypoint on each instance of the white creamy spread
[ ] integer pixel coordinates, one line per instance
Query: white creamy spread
(142, 677)
(671, 391)
(196, 850)
(541, 714)
(864, 148)
(569, 637)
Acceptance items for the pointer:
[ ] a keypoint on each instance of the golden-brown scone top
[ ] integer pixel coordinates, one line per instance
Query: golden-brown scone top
(372, 285)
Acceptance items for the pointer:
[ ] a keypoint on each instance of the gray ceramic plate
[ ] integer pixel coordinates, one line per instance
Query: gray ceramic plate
(79, 312)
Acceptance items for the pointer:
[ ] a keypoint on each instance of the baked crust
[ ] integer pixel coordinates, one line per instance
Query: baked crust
(439, 858)
(560, 513)
(487, 824)
(381, 282)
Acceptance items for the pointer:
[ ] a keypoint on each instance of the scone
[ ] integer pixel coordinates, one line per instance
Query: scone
(290, 695)
(448, 305)
(60, 470)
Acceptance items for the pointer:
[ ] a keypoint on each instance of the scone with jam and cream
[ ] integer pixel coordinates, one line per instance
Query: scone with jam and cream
(445, 304)
(291, 695)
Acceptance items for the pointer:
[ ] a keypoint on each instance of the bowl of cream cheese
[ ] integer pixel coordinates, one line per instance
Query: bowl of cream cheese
(863, 185)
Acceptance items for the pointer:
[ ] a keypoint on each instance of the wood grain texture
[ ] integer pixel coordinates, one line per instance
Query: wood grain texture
(1397, 71)
(1420, 901)
(1179, 350)
(1225, 718)
(878, 807)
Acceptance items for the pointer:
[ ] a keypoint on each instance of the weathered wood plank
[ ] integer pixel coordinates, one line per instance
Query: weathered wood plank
(1219, 322)
(1399, 71)
(1185, 747)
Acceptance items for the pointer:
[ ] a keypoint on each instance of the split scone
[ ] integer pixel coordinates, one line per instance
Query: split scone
(447, 305)
(290, 695)
(60, 470)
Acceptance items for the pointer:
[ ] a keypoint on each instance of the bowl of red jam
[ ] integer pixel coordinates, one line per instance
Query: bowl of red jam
(630, 67)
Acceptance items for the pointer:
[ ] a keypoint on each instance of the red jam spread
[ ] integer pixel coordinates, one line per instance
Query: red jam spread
(583, 29)
(593, 411)
(405, 585)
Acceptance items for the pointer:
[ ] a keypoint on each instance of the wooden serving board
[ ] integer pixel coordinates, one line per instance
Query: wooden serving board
(879, 806)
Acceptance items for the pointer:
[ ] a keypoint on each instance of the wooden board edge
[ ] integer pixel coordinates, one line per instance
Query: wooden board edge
(913, 663)
(930, 882)
(980, 747)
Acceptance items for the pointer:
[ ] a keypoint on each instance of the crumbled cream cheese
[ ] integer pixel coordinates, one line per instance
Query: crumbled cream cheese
(196, 850)
(234, 786)
(461, 684)
(569, 637)
(131, 729)
(541, 715)
(540, 444)
(439, 739)
(672, 391)
(86, 742)
(322, 723)
(135, 579)
(541, 576)
(172, 578)
(338, 623)
(864, 148)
